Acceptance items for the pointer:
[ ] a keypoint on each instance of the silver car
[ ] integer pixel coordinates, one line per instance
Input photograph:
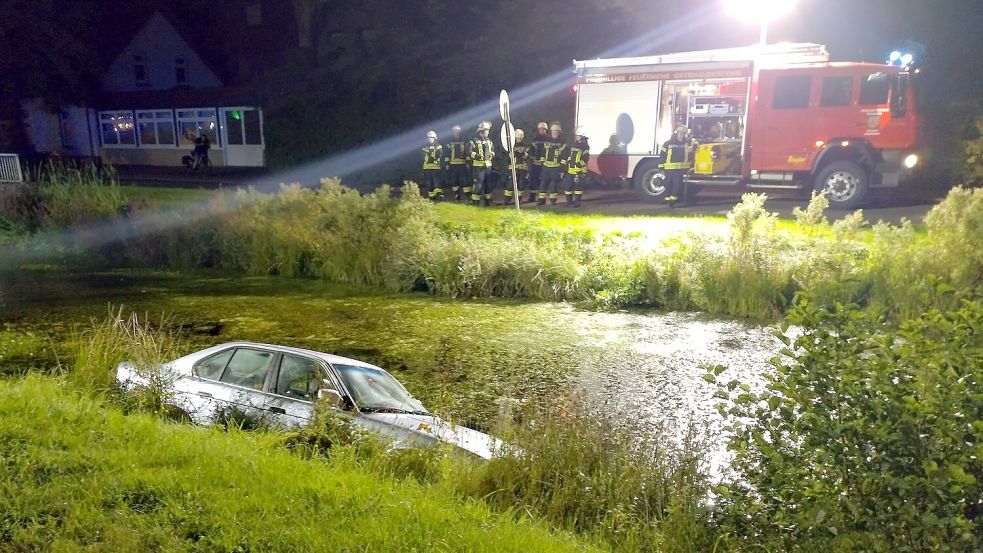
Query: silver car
(280, 384)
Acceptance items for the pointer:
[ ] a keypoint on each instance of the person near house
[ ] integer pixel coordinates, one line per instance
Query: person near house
(433, 163)
(554, 153)
(536, 158)
(457, 165)
(521, 154)
(576, 168)
(199, 154)
(677, 160)
(481, 152)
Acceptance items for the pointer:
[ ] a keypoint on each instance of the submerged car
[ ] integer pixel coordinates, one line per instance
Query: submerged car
(280, 385)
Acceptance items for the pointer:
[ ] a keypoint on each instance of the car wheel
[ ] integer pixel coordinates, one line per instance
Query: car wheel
(845, 184)
(650, 183)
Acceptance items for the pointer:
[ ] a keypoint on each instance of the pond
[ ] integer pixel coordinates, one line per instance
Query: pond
(460, 357)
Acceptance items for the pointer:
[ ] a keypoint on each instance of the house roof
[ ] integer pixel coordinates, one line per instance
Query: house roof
(175, 98)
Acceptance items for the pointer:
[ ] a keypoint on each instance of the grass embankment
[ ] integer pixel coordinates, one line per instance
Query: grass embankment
(77, 474)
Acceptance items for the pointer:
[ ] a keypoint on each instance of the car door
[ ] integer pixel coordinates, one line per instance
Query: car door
(294, 387)
(230, 384)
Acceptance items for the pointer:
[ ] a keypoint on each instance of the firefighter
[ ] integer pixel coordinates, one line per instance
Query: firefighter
(433, 164)
(576, 168)
(554, 153)
(677, 160)
(456, 165)
(522, 155)
(480, 151)
(536, 158)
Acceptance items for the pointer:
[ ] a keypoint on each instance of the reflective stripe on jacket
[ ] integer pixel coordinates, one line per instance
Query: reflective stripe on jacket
(455, 152)
(553, 152)
(481, 152)
(578, 156)
(521, 157)
(678, 154)
(433, 156)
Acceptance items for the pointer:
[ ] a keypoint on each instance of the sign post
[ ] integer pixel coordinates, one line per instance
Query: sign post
(508, 140)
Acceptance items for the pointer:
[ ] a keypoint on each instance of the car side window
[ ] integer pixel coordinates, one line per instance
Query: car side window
(874, 89)
(792, 91)
(299, 378)
(248, 368)
(212, 367)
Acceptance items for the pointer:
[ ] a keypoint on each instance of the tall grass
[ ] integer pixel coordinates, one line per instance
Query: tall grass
(402, 244)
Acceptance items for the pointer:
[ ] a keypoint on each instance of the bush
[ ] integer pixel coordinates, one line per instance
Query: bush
(866, 437)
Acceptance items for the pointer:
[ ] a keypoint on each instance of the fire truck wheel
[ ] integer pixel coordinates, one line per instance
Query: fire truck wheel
(845, 184)
(650, 183)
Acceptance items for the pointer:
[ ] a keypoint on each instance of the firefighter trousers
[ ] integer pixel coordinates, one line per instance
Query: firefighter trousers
(459, 180)
(573, 188)
(522, 184)
(535, 174)
(481, 181)
(674, 183)
(432, 180)
(549, 185)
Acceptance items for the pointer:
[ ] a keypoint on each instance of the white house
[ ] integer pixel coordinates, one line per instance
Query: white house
(159, 95)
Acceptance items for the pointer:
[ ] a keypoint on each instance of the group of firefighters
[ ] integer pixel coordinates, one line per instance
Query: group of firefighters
(542, 167)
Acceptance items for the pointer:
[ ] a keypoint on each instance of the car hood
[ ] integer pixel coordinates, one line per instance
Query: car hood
(432, 428)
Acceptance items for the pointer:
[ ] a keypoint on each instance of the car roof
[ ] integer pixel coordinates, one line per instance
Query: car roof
(327, 357)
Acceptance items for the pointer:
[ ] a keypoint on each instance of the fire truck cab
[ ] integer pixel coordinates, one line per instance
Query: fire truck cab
(778, 116)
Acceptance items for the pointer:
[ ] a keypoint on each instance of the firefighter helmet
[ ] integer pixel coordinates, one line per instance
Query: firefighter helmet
(519, 135)
(579, 131)
(683, 128)
(484, 126)
(542, 125)
(555, 127)
(456, 128)
(432, 134)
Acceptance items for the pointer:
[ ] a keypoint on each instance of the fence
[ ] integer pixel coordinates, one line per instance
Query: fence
(10, 168)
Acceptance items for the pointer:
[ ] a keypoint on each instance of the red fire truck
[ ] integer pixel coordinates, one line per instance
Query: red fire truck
(776, 116)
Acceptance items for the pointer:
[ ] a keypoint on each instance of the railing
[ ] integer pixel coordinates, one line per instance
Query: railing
(10, 168)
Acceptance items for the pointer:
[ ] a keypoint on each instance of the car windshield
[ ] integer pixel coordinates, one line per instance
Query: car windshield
(375, 390)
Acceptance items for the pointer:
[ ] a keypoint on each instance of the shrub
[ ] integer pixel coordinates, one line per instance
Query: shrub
(866, 437)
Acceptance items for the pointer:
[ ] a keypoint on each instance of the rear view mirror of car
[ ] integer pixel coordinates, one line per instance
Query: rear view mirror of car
(331, 396)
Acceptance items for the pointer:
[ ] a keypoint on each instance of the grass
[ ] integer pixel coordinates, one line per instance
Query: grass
(78, 474)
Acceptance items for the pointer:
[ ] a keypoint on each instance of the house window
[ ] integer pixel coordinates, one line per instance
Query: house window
(156, 128)
(180, 71)
(193, 123)
(139, 69)
(116, 128)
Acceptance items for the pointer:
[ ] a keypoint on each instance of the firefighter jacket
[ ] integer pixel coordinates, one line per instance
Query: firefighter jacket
(522, 155)
(678, 154)
(537, 150)
(577, 157)
(554, 152)
(480, 152)
(433, 156)
(455, 152)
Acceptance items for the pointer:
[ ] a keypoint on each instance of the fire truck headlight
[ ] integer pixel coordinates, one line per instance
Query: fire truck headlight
(910, 161)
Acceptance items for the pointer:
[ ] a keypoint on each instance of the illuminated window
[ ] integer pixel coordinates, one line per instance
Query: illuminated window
(193, 123)
(116, 128)
(156, 128)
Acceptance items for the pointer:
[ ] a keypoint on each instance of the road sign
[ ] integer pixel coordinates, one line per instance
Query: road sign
(503, 105)
(508, 136)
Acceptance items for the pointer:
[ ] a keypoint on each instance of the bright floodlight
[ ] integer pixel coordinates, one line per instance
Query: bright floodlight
(895, 56)
(759, 11)
(907, 59)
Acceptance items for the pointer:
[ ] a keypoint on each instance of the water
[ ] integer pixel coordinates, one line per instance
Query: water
(459, 357)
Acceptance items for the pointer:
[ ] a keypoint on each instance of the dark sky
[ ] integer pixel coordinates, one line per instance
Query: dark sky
(946, 34)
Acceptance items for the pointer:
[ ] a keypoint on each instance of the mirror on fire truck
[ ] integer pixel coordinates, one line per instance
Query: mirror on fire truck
(624, 127)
